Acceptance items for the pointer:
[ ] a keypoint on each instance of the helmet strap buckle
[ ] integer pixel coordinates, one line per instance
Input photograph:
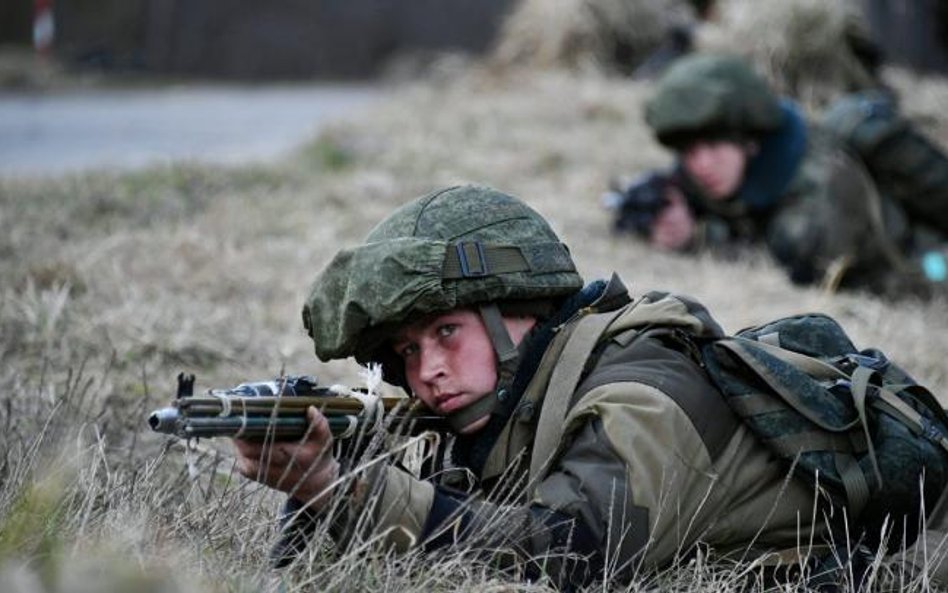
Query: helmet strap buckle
(472, 259)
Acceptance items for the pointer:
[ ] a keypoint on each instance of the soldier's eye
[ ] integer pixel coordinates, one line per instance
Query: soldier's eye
(447, 329)
(406, 350)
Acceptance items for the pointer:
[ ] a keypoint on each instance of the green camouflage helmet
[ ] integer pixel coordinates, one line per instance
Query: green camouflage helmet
(711, 96)
(456, 247)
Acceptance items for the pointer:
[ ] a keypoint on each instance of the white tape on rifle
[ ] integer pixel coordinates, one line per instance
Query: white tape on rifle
(225, 402)
(351, 429)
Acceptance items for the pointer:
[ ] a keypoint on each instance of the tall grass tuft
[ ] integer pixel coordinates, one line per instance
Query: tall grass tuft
(805, 48)
(608, 35)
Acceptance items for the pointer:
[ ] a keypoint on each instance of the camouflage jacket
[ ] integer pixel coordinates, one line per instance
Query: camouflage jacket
(643, 461)
(814, 205)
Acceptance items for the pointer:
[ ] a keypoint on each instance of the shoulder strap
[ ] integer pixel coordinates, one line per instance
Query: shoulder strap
(563, 381)
(890, 250)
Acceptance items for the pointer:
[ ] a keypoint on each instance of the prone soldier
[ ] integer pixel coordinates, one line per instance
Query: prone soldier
(859, 199)
(629, 455)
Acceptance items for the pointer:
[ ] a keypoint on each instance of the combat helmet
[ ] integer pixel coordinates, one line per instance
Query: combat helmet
(708, 95)
(464, 246)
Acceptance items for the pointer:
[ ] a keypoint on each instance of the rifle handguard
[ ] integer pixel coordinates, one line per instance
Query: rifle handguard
(276, 410)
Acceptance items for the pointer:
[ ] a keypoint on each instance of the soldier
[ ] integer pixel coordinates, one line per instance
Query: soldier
(861, 200)
(626, 454)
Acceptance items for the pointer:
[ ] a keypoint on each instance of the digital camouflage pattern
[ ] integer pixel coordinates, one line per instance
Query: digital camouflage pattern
(832, 215)
(850, 421)
(451, 248)
(711, 95)
(907, 167)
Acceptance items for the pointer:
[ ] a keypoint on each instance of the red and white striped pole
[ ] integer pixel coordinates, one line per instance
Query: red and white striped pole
(44, 27)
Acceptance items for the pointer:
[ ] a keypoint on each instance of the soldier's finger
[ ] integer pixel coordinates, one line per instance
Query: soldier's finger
(247, 448)
(248, 467)
(319, 432)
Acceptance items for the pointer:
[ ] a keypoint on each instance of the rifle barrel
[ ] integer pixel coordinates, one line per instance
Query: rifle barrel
(282, 418)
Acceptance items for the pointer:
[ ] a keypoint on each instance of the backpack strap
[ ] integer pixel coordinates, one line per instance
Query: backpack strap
(563, 382)
(890, 251)
(853, 478)
(831, 438)
(742, 349)
(896, 407)
(812, 366)
(861, 379)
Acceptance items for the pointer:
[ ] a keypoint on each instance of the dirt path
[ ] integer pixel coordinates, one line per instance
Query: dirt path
(51, 134)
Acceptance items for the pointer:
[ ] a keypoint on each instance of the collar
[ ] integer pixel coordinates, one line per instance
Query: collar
(773, 168)
(471, 451)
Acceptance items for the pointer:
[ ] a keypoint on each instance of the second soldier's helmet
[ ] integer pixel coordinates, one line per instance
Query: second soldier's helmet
(711, 96)
(458, 247)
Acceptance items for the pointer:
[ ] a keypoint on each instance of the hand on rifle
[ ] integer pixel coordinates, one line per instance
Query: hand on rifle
(674, 225)
(305, 469)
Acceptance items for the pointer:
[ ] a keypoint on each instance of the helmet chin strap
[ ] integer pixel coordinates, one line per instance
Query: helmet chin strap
(508, 358)
(461, 419)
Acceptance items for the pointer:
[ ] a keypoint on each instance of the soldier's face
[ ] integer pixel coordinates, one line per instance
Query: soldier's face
(717, 166)
(450, 361)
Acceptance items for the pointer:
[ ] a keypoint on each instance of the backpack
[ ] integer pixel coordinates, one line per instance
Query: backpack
(906, 165)
(850, 421)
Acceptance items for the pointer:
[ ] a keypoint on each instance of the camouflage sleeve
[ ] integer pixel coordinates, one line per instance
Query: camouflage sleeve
(633, 460)
(565, 544)
(389, 505)
(835, 217)
(650, 498)
(595, 503)
(392, 507)
(382, 502)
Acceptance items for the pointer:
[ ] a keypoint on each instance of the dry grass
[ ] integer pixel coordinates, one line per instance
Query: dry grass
(609, 35)
(112, 283)
(800, 46)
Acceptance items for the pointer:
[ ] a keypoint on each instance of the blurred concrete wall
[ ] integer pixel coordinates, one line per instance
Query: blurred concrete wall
(267, 39)
(911, 32)
(289, 38)
(253, 39)
(16, 22)
(104, 33)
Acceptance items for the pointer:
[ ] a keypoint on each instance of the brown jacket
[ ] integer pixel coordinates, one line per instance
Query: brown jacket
(647, 456)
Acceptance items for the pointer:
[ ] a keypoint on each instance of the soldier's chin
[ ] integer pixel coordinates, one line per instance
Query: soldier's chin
(476, 426)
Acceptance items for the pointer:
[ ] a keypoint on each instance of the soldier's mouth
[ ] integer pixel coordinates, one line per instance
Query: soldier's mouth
(449, 402)
(710, 184)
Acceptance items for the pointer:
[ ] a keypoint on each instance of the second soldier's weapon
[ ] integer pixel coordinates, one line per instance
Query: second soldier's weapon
(277, 410)
(637, 202)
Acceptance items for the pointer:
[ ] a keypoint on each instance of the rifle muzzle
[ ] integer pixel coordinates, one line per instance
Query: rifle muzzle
(164, 420)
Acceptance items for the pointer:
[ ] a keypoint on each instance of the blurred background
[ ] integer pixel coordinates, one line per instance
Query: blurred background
(243, 39)
(339, 39)
(231, 81)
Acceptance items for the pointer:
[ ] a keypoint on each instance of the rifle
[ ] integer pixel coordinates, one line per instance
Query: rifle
(276, 410)
(637, 202)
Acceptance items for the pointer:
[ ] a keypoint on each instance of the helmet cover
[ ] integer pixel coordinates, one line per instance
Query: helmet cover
(452, 248)
(705, 96)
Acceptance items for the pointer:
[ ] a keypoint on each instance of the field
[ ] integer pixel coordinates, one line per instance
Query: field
(112, 283)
